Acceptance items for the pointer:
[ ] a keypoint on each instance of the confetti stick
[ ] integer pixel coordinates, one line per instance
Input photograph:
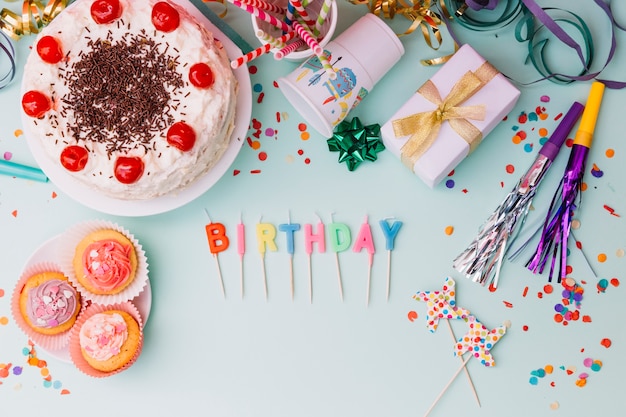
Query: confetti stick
(218, 242)
(478, 341)
(467, 374)
(289, 48)
(268, 7)
(390, 236)
(241, 249)
(266, 17)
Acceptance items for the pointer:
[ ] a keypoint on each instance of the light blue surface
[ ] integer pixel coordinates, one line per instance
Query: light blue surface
(206, 355)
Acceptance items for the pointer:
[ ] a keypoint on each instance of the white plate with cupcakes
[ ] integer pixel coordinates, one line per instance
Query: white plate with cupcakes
(96, 268)
(132, 108)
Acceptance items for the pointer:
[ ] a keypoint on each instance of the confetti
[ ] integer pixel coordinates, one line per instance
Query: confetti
(606, 342)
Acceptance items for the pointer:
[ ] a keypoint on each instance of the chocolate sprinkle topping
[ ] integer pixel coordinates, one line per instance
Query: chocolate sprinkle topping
(119, 92)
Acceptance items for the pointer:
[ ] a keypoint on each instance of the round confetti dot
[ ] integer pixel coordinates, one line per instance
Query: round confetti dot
(583, 186)
(450, 183)
(17, 370)
(610, 153)
(262, 156)
(606, 342)
(47, 384)
(412, 316)
(615, 282)
(549, 369)
(257, 88)
(528, 147)
(548, 288)
(620, 253)
(449, 230)
(4, 321)
(602, 285)
(575, 224)
(302, 127)
(510, 169)
(270, 132)
(532, 116)
(305, 135)
(516, 139)
(307, 161)
(543, 132)
(554, 405)
(587, 362)
(252, 69)
(525, 328)
(601, 257)
(57, 385)
(1, 293)
(596, 366)
(545, 99)
(533, 380)
(289, 159)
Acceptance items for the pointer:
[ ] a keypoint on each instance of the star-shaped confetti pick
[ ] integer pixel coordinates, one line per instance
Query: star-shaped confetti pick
(479, 341)
(356, 143)
(441, 304)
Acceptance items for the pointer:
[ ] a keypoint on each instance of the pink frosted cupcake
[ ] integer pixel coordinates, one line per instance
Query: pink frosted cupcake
(105, 262)
(45, 305)
(106, 339)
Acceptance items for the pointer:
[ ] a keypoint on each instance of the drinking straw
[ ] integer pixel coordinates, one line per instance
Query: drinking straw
(268, 7)
(22, 171)
(260, 14)
(321, 17)
(289, 48)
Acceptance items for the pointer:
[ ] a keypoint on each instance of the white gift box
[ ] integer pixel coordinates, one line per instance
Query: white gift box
(496, 97)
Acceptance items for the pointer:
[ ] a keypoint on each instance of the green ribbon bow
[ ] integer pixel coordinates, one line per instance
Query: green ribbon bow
(356, 143)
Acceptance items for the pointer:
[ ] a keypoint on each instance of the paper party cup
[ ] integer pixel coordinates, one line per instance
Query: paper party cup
(360, 57)
(46, 309)
(106, 265)
(266, 32)
(105, 336)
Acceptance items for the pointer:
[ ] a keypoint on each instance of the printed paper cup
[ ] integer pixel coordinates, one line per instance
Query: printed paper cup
(48, 306)
(76, 352)
(263, 29)
(360, 57)
(105, 269)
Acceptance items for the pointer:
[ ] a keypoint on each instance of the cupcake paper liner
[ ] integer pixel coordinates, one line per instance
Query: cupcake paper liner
(74, 235)
(47, 342)
(74, 340)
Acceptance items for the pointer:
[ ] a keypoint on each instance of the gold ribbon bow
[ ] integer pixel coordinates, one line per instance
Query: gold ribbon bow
(34, 17)
(424, 127)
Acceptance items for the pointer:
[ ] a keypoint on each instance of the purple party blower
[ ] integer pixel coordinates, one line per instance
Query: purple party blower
(556, 229)
(482, 260)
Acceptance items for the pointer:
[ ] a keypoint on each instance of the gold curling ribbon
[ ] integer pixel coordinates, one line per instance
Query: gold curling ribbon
(223, 3)
(33, 18)
(417, 11)
(424, 127)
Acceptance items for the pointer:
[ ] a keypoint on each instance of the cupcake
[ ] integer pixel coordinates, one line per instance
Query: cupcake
(106, 340)
(105, 262)
(45, 305)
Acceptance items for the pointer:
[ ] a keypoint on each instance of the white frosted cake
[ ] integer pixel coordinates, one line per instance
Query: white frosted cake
(133, 98)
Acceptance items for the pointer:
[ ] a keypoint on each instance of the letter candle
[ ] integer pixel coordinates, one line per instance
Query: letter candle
(390, 237)
(309, 239)
(289, 229)
(241, 249)
(364, 240)
(340, 239)
(218, 242)
(265, 233)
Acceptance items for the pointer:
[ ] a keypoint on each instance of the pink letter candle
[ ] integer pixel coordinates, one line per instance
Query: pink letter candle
(364, 240)
(310, 238)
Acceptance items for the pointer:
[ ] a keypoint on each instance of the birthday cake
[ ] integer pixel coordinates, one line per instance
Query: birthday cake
(135, 99)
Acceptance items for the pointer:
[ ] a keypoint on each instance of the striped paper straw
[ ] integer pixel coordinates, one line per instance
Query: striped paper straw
(289, 13)
(266, 17)
(303, 13)
(244, 59)
(308, 38)
(277, 43)
(264, 5)
(321, 17)
(289, 48)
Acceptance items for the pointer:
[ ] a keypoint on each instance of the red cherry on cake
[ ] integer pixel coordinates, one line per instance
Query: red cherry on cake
(105, 11)
(74, 158)
(49, 49)
(182, 136)
(165, 17)
(35, 103)
(128, 169)
(201, 75)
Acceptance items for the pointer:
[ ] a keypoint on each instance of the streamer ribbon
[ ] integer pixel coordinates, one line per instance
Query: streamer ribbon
(33, 18)
(424, 127)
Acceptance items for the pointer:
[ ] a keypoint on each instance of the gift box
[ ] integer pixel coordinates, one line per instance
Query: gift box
(449, 115)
